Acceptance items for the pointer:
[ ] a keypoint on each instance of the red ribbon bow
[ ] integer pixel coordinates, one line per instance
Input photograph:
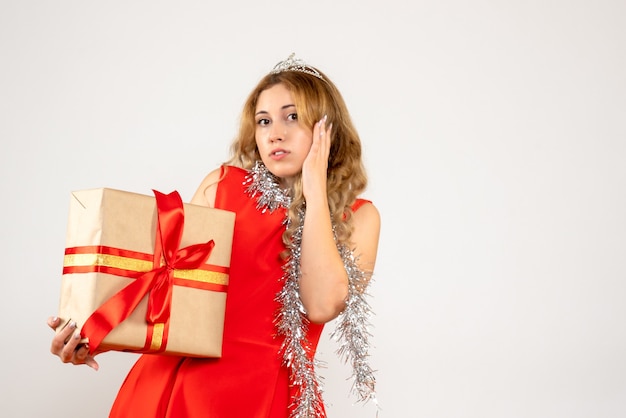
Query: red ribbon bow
(158, 281)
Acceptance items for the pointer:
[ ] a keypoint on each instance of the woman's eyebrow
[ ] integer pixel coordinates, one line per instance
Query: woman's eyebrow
(282, 108)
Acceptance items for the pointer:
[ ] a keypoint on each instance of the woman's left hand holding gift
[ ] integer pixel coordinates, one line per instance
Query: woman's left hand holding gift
(67, 346)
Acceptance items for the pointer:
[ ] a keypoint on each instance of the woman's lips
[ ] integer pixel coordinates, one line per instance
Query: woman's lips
(278, 154)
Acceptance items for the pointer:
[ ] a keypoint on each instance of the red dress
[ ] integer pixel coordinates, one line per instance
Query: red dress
(249, 380)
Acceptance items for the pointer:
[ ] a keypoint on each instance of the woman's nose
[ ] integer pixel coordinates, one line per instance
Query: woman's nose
(277, 132)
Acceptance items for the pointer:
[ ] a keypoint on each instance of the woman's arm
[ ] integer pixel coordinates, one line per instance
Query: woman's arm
(324, 281)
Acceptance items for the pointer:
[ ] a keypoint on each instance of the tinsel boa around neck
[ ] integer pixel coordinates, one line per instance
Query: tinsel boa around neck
(351, 325)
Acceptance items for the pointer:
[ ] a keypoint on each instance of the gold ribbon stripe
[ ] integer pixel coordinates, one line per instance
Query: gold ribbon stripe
(132, 264)
(157, 336)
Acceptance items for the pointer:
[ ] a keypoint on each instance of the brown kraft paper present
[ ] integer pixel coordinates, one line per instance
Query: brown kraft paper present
(118, 242)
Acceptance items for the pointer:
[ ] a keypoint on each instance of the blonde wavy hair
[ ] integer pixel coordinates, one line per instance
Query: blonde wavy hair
(313, 99)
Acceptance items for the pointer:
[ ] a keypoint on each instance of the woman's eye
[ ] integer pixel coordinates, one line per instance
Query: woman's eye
(292, 116)
(263, 122)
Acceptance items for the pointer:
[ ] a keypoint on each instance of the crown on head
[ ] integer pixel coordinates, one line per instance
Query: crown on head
(295, 64)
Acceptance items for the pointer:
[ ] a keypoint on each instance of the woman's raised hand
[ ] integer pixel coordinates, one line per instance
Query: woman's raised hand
(315, 167)
(67, 346)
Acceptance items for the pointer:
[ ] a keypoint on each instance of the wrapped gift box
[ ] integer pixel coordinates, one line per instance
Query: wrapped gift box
(112, 239)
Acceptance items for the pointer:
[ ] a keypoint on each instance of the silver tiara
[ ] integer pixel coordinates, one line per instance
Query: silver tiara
(295, 64)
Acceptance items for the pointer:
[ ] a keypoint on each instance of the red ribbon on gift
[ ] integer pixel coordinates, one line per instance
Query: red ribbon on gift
(157, 282)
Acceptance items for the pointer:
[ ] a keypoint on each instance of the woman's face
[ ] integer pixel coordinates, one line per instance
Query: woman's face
(283, 142)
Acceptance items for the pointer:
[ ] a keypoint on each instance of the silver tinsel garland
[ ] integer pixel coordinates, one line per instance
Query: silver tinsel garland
(291, 322)
(263, 185)
(352, 329)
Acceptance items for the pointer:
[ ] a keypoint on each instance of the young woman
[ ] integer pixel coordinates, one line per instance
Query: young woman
(304, 249)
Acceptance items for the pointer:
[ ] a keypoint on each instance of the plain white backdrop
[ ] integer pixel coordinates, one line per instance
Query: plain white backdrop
(495, 137)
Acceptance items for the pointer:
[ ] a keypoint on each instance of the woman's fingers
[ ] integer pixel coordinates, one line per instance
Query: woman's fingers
(320, 148)
(53, 322)
(314, 170)
(67, 346)
(70, 343)
(324, 140)
(58, 342)
(82, 356)
(89, 360)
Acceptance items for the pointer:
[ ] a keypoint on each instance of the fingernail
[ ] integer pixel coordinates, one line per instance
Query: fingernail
(325, 117)
(55, 318)
(73, 324)
(76, 335)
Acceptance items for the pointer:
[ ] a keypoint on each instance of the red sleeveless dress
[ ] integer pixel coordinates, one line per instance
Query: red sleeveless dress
(249, 380)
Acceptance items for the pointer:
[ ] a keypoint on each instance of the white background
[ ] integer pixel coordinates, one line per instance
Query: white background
(495, 138)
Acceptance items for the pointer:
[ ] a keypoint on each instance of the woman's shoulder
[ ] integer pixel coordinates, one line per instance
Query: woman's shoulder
(205, 194)
(231, 170)
(222, 172)
(364, 211)
(360, 202)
